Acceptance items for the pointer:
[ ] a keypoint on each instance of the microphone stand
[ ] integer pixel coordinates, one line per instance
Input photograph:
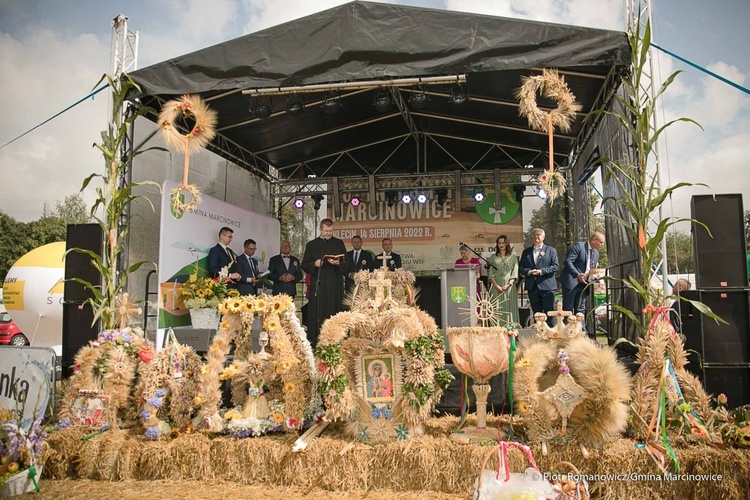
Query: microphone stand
(487, 264)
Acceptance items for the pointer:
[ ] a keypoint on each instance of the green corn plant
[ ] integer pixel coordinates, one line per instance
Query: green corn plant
(640, 192)
(113, 200)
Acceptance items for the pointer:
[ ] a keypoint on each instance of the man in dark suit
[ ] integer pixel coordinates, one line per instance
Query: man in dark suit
(394, 262)
(221, 256)
(582, 258)
(358, 259)
(538, 266)
(248, 269)
(285, 271)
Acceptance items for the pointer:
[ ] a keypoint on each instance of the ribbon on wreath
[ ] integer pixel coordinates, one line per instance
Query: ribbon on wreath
(32, 476)
(512, 332)
(658, 427)
(659, 312)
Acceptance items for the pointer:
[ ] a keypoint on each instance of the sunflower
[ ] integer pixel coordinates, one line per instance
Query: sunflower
(232, 415)
(260, 305)
(272, 324)
(234, 306)
(289, 388)
(523, 406)
(208, 292)
(200, 293)
(233, 293)
(224, 325)
(278, 417)
(228, 372)
(249, 305)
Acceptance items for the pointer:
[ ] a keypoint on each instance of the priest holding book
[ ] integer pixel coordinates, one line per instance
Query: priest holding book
(325, 261)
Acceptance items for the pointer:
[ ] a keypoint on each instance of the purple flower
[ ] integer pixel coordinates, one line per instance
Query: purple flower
(62, 424)
(375, 413)
(145, 414)
(564, 370)
(562, 356)
(126, 337)
(386, 412)
(155, 402)
(152, 432)
(161, 393)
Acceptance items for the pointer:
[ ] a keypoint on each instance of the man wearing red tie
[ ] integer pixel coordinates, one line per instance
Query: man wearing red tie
(582, 258)
(248, 269)
(221, 256)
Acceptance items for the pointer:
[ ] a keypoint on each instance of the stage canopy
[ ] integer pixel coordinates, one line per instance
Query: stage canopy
(366, 42)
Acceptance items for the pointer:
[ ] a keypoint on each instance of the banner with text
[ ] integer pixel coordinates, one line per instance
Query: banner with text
(186, 239)
(427, 235)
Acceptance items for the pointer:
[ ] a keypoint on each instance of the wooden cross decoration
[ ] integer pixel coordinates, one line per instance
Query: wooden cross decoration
(124, 311)
(385, 259)
(559, 313)
(379, 283)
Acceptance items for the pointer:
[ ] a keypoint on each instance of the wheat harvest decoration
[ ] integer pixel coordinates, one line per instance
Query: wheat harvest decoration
(203, 131)
(553, 86)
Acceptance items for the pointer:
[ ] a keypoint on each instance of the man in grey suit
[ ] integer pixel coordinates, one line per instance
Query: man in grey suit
(582, 257)
(358, 259)
(285, 271)
(538, 265)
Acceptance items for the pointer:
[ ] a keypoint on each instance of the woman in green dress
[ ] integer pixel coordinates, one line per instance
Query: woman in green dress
(502, 277)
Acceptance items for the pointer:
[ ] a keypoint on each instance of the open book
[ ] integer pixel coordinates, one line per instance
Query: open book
(334, 257)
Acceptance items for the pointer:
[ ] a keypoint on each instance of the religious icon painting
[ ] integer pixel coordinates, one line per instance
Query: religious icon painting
(90, 409)
(379, 377)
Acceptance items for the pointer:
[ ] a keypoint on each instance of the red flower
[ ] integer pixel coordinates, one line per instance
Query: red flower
(322, 367)
(76, 369)
(146, 355)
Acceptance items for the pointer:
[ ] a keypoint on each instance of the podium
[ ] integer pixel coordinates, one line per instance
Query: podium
(457, 288)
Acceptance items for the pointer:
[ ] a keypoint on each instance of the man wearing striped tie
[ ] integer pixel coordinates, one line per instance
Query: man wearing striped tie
(582, 258)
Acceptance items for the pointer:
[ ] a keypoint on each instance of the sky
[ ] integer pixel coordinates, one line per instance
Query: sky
(53, 53)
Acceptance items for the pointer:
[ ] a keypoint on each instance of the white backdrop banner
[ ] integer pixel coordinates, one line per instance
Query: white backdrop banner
(26, 376)
(186, 238)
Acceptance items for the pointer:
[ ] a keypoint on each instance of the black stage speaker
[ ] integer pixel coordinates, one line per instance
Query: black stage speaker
(733, 381)
(719, 260)
(429, 297)
(718, 342)
(77, 317)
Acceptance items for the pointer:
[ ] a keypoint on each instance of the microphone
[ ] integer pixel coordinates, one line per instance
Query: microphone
(461, 243)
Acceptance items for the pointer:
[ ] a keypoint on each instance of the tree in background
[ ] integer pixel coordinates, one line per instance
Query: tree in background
(19, 238)
(680, 252)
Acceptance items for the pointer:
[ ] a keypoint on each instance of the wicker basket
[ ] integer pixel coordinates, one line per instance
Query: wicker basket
(206, 318)
(20, 483)
(581, 490)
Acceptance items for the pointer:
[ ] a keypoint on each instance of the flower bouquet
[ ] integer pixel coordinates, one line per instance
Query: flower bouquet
(19, 450)
(204, 292)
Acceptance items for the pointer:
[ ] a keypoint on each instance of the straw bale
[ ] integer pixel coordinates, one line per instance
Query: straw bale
(333, 466)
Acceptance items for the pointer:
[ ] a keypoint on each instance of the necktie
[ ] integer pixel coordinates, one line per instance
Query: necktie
(356, 257)
(229, 253)
(591, 258)
(252, 266)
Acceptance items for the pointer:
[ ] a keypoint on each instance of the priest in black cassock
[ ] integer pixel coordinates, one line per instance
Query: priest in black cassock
(327, 278)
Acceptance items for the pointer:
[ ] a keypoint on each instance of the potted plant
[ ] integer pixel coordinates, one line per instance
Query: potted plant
(19, 449)
(202, 296)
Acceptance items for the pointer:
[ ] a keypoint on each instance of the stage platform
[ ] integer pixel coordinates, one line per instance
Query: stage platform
(431, 464)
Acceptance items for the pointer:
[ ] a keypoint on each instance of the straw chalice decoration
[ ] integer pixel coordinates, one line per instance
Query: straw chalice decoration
(480, 352)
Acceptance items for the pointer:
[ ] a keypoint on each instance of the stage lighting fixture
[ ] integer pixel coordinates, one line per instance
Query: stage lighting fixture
(331, 104)
(294, 104)
(390, 198)
(422, 198)
(442, 196)
(318, 199)
(262, 107)
(299, 203)
(519, 189)
(355, 201)
(458, 98)
(541, 193)
(419, 99)
(406, 198)
(383, 102)
(479, 196)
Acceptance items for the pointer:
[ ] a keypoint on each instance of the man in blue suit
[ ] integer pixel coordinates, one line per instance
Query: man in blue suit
(538, 266)
(247, 266)
(221, 256)
(285, 271)
(582, 258)
(358, 259)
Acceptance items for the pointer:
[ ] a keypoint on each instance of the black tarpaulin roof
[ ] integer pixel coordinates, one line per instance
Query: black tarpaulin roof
(370, 41)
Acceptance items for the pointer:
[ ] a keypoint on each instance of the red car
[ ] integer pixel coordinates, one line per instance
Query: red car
(10, 334)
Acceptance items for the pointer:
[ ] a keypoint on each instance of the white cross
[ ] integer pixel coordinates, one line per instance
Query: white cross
(497, 213)
(385, 259)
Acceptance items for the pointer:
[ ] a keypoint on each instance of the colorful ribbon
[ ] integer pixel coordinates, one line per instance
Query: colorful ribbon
(32, 476)
(502, 456)
(511, 363)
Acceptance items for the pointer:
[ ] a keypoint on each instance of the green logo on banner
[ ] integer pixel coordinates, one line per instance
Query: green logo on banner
(458, 294)
(499, 214)
(176, 214)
